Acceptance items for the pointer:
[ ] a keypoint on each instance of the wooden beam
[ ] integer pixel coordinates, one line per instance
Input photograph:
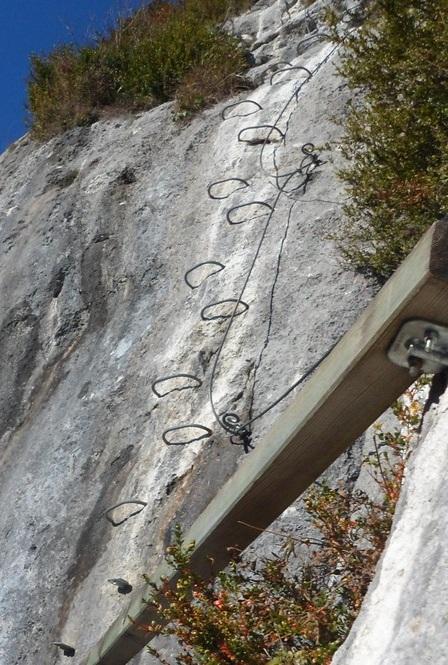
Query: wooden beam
(349, 391)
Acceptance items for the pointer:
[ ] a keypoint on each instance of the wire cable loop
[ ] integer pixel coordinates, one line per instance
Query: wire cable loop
(207, 433)
(180, 375)
(246, 205)
(240, 434)
(107, 512)
(221, 182)
(234, 313)
(289, 69)
(240, 115)
(221, 266)
(255, 141)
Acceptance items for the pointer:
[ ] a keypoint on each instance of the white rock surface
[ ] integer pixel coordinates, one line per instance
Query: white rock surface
(97, 229)
(404, 618)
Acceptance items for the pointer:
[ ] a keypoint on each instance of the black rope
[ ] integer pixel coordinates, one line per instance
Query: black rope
(231, 422)
(277, 176)
(221, 266)
(305, 169)
(222, 421)
(180, 375)
(257, 364)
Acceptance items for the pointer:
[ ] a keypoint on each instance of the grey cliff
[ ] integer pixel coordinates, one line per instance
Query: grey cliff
(97, 230)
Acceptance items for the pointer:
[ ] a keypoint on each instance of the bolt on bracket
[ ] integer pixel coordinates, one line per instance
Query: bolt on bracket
(420, 346)
(66, 649)
(122, 585)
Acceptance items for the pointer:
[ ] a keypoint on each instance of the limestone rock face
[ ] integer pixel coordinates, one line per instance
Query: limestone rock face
(405, 613)
(97, 230)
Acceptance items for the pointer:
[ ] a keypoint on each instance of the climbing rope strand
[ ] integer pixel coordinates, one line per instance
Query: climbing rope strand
(220, 420)
(289, 390)
(271, 305)
(294, 95)
(310, 161)
(235, 426)
(282, 112)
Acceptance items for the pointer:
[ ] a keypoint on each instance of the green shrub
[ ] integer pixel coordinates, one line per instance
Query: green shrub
(143, 61)
(396, 138)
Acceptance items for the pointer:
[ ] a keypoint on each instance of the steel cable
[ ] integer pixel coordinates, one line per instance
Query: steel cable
(233, 424)
(230, 421)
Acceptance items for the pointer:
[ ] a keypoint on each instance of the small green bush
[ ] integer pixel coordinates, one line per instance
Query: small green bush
(143, 61)
(396, 138)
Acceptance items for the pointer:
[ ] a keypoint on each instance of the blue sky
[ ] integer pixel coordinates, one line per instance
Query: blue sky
(35, 26)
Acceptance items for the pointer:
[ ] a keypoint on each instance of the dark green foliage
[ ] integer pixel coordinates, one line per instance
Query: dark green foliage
(142, 62)
(396, 139)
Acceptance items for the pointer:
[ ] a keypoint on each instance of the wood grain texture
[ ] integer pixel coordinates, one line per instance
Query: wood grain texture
(348, 392)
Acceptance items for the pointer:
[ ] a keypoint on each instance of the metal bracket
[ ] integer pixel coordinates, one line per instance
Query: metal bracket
(421, 346)
(122, 585)
(66, 649)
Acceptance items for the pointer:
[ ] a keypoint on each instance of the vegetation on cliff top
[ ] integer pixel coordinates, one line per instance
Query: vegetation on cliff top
(396, 131)
(396, 138)
(163, 51)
